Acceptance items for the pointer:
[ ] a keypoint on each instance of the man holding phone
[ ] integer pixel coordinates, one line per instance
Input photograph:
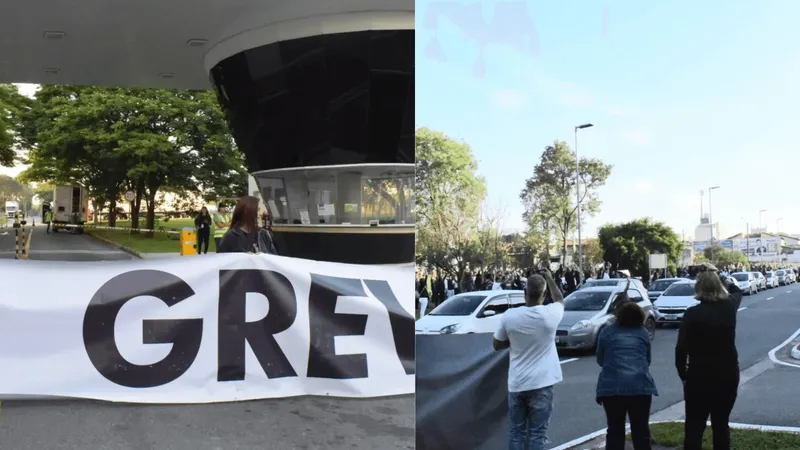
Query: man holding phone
(534, 368)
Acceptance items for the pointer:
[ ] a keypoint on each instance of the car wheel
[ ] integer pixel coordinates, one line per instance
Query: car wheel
(650, 325)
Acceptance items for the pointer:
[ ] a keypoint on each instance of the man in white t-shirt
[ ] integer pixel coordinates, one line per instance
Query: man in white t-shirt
(534, 368)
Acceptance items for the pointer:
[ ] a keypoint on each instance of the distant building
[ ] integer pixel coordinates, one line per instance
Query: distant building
(703, 231)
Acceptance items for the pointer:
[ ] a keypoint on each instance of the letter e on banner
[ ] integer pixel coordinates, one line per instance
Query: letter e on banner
(234, 330)
(185, 335)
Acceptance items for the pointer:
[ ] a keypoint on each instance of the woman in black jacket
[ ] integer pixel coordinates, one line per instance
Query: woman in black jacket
(203, 225)
(244, 235)
(708, 362)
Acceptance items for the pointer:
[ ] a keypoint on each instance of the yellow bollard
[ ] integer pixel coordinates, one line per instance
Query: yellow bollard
(188, 242)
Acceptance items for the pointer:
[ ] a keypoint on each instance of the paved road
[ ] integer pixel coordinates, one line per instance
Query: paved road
(769, 319)
(302, 423)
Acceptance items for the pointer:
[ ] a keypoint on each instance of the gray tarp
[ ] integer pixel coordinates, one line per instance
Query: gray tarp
(462, 393)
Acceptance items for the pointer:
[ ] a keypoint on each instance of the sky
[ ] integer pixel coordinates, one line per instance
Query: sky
(683, 96)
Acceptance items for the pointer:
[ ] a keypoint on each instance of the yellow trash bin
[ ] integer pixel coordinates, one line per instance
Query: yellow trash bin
(188, 242)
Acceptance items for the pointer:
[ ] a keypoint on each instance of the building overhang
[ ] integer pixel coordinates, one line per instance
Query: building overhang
(165, 44)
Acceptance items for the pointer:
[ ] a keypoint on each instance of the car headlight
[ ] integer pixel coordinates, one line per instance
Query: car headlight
(655, 307)
(450, 329)
(581, 325)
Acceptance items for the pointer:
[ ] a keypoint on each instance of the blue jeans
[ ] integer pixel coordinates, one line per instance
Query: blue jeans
(529, 417)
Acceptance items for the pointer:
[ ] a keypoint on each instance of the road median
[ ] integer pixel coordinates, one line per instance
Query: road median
(95, 234)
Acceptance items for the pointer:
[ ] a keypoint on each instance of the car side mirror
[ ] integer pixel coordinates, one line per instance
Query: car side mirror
(489, 313)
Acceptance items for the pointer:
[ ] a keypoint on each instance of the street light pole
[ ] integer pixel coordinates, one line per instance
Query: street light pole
(778, 225)
(710, 221)
(578, 196)
(759, 221)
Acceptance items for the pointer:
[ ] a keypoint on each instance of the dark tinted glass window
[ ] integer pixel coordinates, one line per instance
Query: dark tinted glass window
(460, 305)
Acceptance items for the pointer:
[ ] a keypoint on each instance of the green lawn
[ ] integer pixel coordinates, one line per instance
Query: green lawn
(671, 435)
(146, 242)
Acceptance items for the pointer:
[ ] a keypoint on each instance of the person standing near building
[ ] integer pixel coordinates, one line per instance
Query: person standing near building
(222, 221)
(203, 225)
(529, 332)
(48, 218)
(244, 234)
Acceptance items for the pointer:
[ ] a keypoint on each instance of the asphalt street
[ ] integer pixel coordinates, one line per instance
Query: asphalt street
(301, 423)
(765, 321)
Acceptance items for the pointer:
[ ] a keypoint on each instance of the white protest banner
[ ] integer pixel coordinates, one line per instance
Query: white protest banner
(204, 329)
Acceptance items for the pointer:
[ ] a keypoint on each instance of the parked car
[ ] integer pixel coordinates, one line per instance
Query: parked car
(659, 286)
(588, 310)
(772, 279)
(470, 312)
(785, 277)
(761, 281)
(679, 297)
(746, 282)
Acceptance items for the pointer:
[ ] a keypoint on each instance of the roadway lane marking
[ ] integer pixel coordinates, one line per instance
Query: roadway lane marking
(742, 308)
(783, 344)
(567, 360)
(770, 298)
(788, 292)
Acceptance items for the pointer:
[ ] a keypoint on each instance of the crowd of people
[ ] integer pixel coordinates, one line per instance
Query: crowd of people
(706, 361)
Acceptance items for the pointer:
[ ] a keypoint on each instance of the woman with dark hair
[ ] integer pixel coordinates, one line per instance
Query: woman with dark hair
(203, 225)
(244, 235)
(625, 387)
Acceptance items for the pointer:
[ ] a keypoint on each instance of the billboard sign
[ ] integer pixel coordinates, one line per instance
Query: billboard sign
(763, 246)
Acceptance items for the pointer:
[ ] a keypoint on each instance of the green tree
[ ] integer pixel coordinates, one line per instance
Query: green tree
(12, 106)
(44, 191)
(10, 189)
(549, 195)
(449, 194)
(145, 140)
(628, 245)
(592, 254)
(722, 257)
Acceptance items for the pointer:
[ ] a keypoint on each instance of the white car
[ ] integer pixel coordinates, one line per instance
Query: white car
(470, 312)
(671, 305)
(746, 282)
(772, 280)
(761, 281)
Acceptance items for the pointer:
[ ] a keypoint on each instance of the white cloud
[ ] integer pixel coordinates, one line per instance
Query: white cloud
(507, 99)
(637, 137)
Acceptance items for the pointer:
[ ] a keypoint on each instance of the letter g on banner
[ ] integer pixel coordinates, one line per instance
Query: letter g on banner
(185, 335)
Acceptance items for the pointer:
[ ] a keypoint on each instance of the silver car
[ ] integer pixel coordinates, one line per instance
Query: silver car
(785, 277)
(588, 310)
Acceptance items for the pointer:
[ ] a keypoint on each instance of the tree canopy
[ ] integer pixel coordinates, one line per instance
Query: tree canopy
(722, 257)
(146, 140)
(549, 196)
(451, 234)
(13, 106)
(628, 245)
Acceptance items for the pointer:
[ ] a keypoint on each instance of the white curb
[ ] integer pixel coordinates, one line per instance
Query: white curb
(734, 426)
(796, 352)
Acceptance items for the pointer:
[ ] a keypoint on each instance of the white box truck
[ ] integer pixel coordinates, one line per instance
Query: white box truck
(70, 206)
(12, 208)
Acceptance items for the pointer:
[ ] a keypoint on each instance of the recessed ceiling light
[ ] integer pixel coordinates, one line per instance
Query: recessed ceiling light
(54, 35)
(51, 71)
(196, 42)
(167, 75)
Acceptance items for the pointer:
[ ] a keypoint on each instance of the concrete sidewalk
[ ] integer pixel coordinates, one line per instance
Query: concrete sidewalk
(159, 255)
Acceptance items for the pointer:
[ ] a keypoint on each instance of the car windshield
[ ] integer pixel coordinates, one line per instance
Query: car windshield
(741, 276)
(661, 285)
(586, 301)
(770, 274)
(460, 305)
(680, 290)
(602, 283)
(780, 273)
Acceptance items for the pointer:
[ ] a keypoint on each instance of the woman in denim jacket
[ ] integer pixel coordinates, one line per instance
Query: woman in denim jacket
(625, 386)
